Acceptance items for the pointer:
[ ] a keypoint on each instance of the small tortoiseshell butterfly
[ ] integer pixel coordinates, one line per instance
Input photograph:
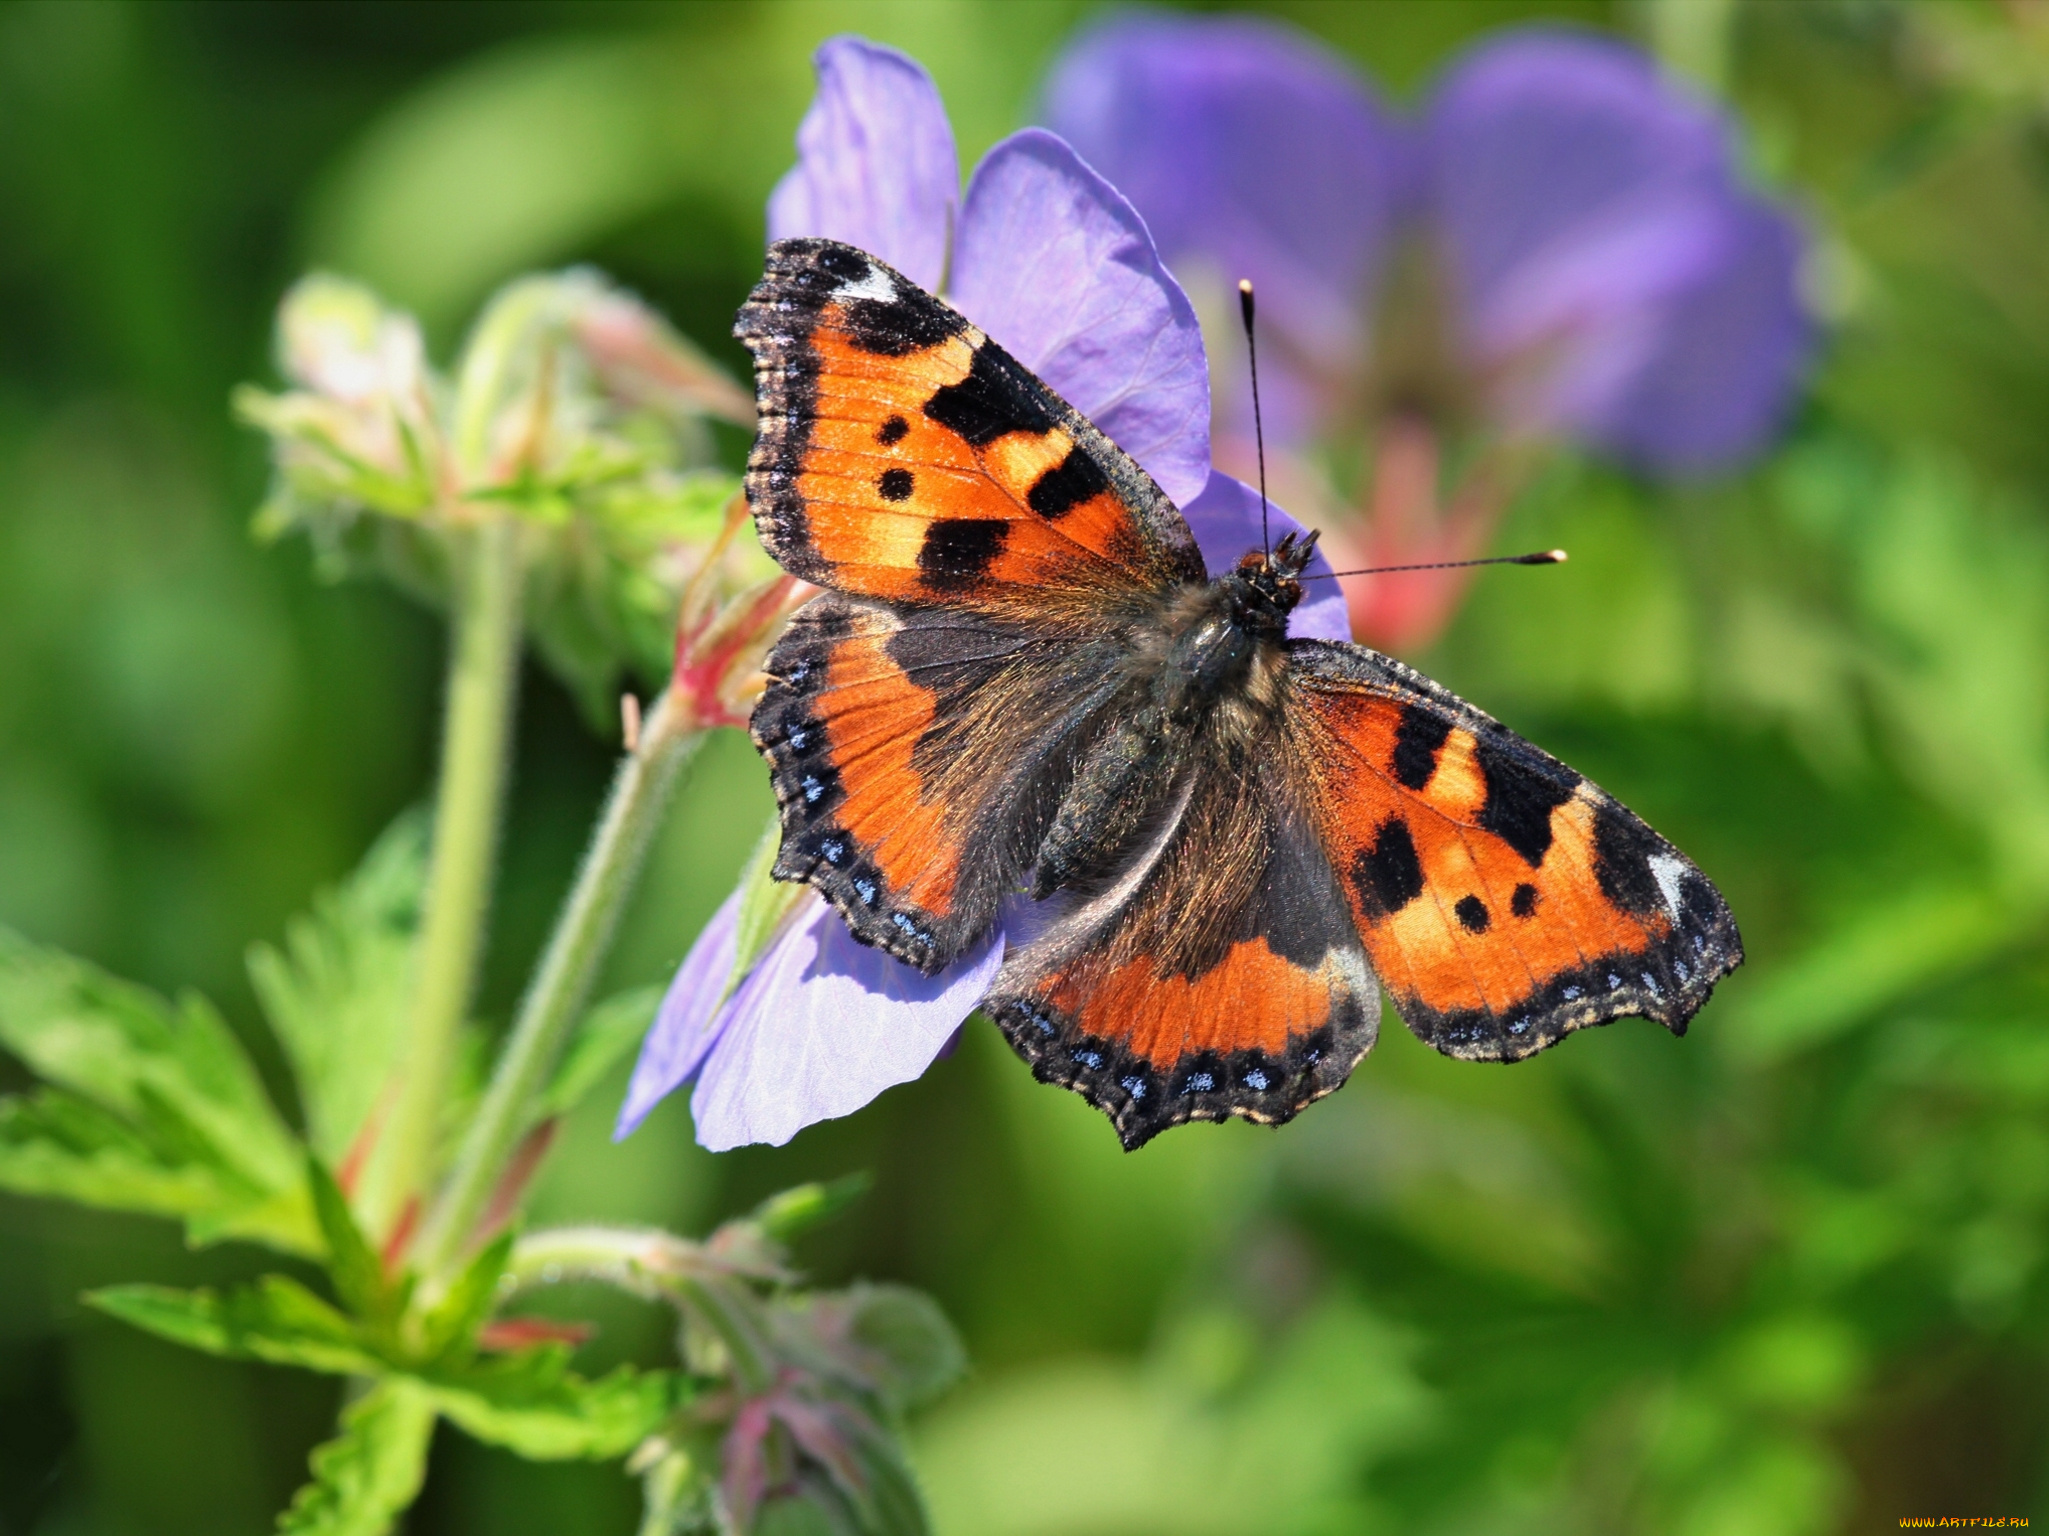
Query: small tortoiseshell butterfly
(1021, 678)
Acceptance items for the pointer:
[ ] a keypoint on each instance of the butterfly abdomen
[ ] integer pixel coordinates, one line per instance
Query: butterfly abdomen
(1213, 670)
(1116, 796)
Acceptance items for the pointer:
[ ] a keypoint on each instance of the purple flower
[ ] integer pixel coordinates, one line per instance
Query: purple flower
(1560, 248)
(1053, 263)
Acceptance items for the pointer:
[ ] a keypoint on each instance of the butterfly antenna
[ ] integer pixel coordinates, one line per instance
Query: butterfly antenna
(1258, 431)
(1535, 557)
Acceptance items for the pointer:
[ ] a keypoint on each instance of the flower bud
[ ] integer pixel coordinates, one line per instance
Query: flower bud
(360, 431)
(573, 408)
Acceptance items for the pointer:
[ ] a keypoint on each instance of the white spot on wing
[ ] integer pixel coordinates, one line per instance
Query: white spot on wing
(872, 284)
(1668, 870)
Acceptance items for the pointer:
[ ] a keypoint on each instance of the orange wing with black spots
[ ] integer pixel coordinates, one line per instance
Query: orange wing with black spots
(1503, 899)
(906, 457)
(917, 756)
(1216, 974)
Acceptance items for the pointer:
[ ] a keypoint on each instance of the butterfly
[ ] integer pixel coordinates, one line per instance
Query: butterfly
(1020, 698)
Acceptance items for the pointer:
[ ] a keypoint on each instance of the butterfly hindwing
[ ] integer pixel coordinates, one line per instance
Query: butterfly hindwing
(1503, 899)
(1218, 974)
(905, 456)
(916, 755)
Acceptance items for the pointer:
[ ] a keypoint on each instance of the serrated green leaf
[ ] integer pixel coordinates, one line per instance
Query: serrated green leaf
(533, 1405)
(337, 993)
(352, 1264)
(452, 1324)
(609, 1031)
(156, 1107)
(283, 1221)
(276, 1319)
(367, 1476)
(898, 1509)
(128, 1049)
(815, 1508)
(530, 1403)
(57, 1145)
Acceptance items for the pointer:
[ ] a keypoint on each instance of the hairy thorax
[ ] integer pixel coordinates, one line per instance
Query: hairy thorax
(1205, 680)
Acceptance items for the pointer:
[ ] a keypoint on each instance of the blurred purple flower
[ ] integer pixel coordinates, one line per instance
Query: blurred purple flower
(1053, 263)
(1561, 248)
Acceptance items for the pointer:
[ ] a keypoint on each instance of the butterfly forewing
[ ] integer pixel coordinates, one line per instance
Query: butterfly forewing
(905, 456)
(990, 553)
(1504, 900)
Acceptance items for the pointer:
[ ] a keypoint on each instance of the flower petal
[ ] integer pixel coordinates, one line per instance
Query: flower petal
(1566, 333)
(1614, 279)
(1252, 151)
(1537, 134)
(1732, 353)
(875, 161)
(337, 338)
(1057, 266)
(688, 1023)
(821, 1026)
(1225, 522)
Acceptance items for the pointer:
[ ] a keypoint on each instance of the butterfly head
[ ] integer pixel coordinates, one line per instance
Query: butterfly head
(1267, 586)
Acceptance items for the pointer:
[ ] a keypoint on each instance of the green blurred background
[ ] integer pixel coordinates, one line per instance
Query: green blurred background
(1787, 1275)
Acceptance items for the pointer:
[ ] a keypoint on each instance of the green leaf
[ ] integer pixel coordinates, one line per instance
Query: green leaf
(811, 1508)
(154, 1106)
(366, 1476)
(609, 1031)
(132, 1052)
(905, 1329)
(892, 1506)
(803, 1206)
(889, 1340)
(451, 1327)
(352, 1264)
(337, 993)
(533, 1405)
(605, 589)
(57, 1145)
(276, 1320)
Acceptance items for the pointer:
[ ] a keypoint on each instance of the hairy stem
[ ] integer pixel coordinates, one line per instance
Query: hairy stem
(466, 812)
(706, 1285)
(555, 998)
(728, 1312)
(643, 1260)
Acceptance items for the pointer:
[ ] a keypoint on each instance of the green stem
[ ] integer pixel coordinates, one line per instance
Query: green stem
(729, 1312)
(661, 1267)
(555, 998)
(488, 578)
(643, 1260)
